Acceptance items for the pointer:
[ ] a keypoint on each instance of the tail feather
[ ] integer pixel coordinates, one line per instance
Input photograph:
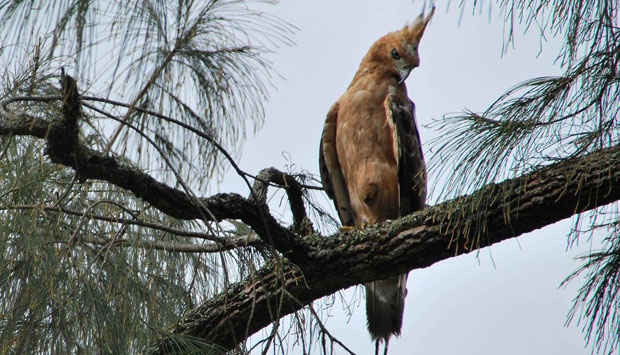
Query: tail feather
(385, 303)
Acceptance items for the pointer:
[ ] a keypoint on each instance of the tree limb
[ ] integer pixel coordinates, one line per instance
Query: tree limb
(419, 240)
(64, 148)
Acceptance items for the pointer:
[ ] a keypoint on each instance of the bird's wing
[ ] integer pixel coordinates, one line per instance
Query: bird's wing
(331, 172)
(408, 149)
(385, 299)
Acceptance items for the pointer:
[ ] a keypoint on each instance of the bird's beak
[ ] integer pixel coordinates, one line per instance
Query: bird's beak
(404, 74)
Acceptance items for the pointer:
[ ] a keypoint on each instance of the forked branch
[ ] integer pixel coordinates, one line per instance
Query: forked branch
(64, 147)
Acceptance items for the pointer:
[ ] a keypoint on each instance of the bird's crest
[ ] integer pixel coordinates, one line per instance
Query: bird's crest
(412, 32)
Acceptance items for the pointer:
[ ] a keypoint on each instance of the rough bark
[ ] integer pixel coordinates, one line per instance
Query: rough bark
(455, 227)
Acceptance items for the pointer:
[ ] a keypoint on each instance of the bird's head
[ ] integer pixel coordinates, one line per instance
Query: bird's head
(399, 49)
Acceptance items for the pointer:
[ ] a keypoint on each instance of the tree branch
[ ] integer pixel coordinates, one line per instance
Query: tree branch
(454, 227)
(90, 164)
(301, 223)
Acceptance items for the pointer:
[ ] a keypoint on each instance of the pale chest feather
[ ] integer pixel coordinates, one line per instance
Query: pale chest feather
(363, 125)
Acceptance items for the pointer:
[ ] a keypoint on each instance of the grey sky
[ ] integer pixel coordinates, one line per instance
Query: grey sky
(507, 300)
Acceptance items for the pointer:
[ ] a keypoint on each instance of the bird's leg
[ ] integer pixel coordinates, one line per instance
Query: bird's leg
(385, 347)
(377, 347)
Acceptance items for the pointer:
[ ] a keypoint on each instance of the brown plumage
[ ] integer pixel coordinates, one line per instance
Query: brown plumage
(371, 160)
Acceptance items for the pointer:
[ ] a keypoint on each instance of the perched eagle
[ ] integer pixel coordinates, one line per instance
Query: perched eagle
(371, 159)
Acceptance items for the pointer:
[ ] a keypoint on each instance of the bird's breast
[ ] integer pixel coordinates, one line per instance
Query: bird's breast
(364, 140)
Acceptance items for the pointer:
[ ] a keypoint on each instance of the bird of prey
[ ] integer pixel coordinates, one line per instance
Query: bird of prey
(371, 160)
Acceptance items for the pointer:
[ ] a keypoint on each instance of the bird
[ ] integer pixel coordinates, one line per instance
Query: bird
(371, 160)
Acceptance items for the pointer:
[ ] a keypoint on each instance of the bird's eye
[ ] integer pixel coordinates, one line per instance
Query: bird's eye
(395, 54)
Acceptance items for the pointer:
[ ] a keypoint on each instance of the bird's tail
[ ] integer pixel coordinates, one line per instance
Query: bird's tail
(385, 303)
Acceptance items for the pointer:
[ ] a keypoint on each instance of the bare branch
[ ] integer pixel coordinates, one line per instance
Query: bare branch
(90, 164)
(20, 124)
(301, 223)
(152, 244)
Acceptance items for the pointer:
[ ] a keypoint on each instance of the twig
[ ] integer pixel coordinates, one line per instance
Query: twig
(224, 243)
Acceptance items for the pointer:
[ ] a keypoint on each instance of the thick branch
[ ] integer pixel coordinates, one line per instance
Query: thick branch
(176, 203)
(20, 124)
(90, 164)
(455, 227)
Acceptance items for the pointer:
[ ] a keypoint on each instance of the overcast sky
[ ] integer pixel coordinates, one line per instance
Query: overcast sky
(506, 300)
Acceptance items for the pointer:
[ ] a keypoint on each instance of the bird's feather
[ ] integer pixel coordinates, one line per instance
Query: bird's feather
(411, 166)
(385, 299)
(385, 303)
(331, 172)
